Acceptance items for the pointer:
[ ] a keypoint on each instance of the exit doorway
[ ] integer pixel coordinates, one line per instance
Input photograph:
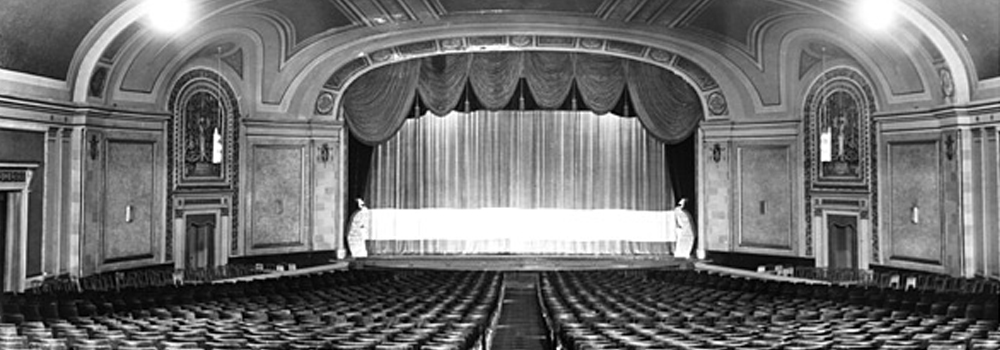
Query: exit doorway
(842, 236)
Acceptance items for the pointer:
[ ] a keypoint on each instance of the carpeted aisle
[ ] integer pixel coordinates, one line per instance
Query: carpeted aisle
(521, 326)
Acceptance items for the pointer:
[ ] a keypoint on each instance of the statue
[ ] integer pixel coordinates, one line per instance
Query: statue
(684, 227)
(359, 231)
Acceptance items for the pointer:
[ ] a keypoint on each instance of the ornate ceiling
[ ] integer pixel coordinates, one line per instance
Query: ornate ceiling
(286, 52)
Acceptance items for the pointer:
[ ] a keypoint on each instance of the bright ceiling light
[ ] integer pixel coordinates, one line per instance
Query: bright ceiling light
(876, 14)
(168, 15)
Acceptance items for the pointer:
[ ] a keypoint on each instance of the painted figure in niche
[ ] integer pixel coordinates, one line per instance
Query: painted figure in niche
(839, 141)
(203, 136)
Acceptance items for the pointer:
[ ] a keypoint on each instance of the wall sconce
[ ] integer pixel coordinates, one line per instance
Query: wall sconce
(716, 153)
(915, 214)
(128, 214)
(949, 147)
(94, 144)
(324, 153)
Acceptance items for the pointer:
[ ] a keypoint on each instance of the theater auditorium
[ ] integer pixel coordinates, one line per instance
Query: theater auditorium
(500, 174)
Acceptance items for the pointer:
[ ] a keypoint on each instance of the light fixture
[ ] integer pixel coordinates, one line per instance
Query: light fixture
(876, 14)
(168, 15)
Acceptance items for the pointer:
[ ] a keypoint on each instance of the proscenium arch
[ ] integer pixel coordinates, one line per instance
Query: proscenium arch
(308, 83)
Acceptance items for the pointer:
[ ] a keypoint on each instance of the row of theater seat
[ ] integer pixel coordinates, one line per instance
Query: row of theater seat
(695, 310)
(342, 310)
(947, 302)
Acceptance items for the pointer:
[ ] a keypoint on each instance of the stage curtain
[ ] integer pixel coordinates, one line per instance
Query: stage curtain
(549, 76)
(377, 104)
(600, 79)
(522, 159)
(494, 77)
(668, 107)
(442, 79)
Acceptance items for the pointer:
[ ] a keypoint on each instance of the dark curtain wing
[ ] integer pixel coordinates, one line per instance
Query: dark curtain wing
(549, 76)
(442, 79)
(494, 77)
(376, 104)
(600, 79)
(668, 107)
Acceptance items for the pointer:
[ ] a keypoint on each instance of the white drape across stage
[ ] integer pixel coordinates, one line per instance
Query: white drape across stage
(520, 231)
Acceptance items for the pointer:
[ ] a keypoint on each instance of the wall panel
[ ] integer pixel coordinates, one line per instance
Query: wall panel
(328, 212)
(977, 195)
(124, 200)
(991, 213)
(766, 190)
(278, 188)
(915, 216)
(717, 199)
(129, 211)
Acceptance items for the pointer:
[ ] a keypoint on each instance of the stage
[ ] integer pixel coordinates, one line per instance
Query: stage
(520, 262)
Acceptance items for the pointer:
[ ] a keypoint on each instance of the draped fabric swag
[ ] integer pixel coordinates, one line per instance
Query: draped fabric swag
(381, 101)
(376, 104)
(522, 159)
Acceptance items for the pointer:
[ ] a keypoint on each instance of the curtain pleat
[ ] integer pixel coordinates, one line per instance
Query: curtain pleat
(494, 77)
(600, 79)
(377, 104)
(667, 106)
(442, 79)
(549, 76)
(522, 159)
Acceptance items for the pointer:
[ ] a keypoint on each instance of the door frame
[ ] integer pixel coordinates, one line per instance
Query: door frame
(15, 179)
(217, 204)
(822, 250)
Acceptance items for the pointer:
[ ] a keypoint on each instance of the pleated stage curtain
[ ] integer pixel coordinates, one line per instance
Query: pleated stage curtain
(523, 182)
(376, 104)
(590, 163)
(522, 159)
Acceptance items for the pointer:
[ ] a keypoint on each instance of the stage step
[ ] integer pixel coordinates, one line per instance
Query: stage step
(521, 326)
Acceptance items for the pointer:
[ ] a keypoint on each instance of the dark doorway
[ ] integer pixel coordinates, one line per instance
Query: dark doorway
(199, 242)
(842, 234)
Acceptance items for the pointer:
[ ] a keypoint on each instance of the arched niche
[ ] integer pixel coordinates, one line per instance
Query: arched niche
(203, 165)
(839, 135)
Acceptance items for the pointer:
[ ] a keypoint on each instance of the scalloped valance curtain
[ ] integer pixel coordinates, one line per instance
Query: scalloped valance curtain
(377, 103)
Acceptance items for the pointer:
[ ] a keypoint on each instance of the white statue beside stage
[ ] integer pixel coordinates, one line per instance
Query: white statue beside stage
(684, 231)
(360, 231)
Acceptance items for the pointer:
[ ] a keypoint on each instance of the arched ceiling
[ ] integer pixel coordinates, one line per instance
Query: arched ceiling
(282, 54)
